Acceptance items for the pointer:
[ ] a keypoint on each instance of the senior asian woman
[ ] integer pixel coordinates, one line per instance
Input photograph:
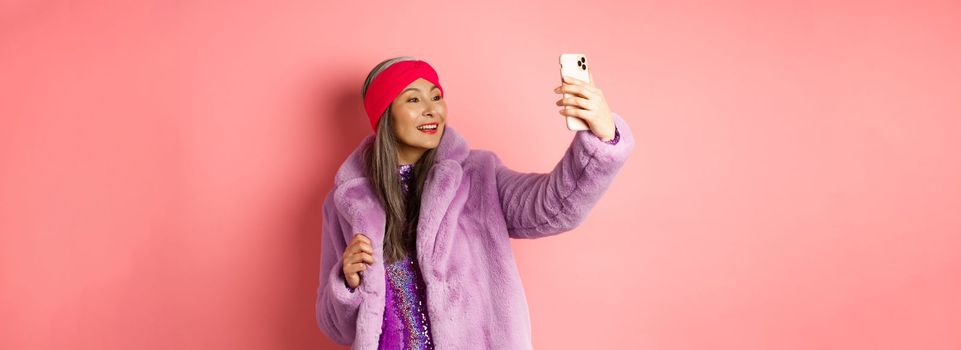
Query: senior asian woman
(416, 247)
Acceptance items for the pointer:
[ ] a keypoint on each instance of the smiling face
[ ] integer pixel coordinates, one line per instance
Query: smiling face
(418, 116)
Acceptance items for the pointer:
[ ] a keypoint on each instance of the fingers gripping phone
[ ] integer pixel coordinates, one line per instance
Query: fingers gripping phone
(574, 65)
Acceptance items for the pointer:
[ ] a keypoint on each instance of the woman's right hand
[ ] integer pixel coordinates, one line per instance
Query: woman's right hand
(358, 254)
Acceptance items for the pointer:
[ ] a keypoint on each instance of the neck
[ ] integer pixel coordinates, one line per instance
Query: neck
(409, 155)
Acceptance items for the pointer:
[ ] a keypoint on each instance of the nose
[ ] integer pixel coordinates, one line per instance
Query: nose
(430, 111)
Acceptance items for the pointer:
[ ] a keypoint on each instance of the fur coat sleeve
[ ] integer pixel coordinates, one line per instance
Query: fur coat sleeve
(538, 205)
(336, 306)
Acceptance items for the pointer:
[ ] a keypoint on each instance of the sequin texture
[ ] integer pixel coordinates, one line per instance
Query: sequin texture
(406, 324)
(617, 137)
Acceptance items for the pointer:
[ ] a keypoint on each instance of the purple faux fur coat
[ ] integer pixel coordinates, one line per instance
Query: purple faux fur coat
(471, 206)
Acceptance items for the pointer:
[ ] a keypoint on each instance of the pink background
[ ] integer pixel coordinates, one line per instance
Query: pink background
(796, 182)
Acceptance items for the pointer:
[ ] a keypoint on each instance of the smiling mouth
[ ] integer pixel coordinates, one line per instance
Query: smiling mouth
(429, 128)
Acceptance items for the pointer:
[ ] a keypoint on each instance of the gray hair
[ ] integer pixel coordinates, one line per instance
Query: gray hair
(380, 165)
(380, 68)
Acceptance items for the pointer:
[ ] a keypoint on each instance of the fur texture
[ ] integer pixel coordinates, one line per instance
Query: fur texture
(472, 205)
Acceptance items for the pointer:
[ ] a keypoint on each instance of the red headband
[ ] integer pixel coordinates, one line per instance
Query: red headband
(390, 82)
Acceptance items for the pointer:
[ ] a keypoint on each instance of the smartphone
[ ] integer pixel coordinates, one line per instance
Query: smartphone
(574, 65)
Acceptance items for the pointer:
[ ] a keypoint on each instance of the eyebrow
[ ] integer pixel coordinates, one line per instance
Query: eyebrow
(408, 89)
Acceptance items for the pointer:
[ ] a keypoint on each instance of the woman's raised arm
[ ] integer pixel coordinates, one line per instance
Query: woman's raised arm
(538, 205)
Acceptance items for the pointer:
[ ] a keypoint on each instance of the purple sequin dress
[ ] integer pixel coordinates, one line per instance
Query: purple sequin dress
(617, 137)
(406, 324)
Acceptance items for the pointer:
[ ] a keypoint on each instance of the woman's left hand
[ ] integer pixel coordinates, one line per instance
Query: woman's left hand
(588, 103)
